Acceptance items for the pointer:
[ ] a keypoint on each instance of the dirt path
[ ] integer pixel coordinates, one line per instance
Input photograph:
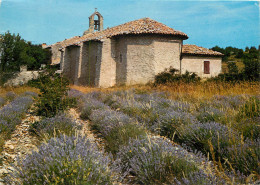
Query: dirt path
(21, 143)
(85, 128)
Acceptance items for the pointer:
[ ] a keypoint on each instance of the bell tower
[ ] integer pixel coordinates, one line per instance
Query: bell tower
(95, 22)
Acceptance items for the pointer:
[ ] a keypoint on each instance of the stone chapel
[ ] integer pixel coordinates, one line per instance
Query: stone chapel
(130, 53)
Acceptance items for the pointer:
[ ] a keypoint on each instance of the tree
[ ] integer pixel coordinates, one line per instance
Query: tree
(15, 51)
(232, 68)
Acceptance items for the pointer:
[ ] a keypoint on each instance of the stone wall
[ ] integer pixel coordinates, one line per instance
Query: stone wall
(89, 62)
(167, 51)
(196, 64)
(139, 58)
(107, 67)
(70, 63)
(22, 78)
(56, 54)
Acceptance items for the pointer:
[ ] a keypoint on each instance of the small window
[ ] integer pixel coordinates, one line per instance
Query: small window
(206, 67)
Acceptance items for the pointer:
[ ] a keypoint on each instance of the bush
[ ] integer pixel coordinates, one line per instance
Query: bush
(11, 115)
(250, 109)
(120, 136)
(90, 105)
(153, 161)
(249, 128)
(105, 120)
(208, 114)
(245, 157)
(200, 178)
(64, 160)
(200, 136)
(171, 120)
(60, 124)
(53, 97)
(169, 75)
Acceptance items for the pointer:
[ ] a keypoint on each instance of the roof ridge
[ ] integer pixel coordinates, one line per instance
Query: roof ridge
(144, 25)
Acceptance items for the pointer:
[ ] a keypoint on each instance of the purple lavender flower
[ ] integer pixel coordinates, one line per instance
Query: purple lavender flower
(153, 160)
(64, 160)
(59, 124)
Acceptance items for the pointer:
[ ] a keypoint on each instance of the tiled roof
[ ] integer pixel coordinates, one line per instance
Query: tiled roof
(188, 49)
(65, 42)
(141, 26)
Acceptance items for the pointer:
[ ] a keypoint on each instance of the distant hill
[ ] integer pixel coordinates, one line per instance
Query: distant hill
(237, 55)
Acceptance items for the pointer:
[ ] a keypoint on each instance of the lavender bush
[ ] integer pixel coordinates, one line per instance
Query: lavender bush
(234, 102)
(200, 178)
(73, 93)
(11, 115)
(106, 120)
(64, 160)
(60, 123)
(115, 127)
(245, 156)
(13, 112)
(209, 113)
(10, 95)
(89, 105)
(153, 161)
(197, 136)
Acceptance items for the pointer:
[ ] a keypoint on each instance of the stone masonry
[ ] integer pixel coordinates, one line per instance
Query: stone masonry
(131, 53)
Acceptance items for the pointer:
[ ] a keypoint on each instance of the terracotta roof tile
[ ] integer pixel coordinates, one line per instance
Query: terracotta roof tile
(65, 42)
(141, 26)
(188, 49)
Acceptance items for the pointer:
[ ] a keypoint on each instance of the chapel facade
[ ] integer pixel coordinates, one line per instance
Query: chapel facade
(131, 53)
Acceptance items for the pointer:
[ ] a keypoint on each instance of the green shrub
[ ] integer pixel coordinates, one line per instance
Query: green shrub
(170, 75)
(53, 94)
(59, 124)
(120, 136)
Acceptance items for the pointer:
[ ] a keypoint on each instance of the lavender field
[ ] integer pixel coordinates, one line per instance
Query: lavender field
(138, 137)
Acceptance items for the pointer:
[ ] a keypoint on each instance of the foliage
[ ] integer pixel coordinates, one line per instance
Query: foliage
(15, 52)
(171, 75)
(153, 161)
(232, 68)
(53, 94)
(198, 136)
(250, 109)
(64, 160)
(59, 124)
(245, 156)
(250, 58)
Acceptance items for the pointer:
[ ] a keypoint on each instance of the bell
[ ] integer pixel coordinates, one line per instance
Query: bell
(96, 24)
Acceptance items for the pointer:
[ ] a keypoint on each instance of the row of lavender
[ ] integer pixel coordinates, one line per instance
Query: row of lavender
(204, 127)
(12, 113)
(136, 156)
(140, 157)
(64, 157)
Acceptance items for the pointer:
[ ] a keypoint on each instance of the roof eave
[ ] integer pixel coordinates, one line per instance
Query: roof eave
(203, 55)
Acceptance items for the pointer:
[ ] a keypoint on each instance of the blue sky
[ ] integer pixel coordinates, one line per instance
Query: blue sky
(207, 23)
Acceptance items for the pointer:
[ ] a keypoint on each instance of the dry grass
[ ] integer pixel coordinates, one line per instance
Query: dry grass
(188, 91)
(18, 90)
